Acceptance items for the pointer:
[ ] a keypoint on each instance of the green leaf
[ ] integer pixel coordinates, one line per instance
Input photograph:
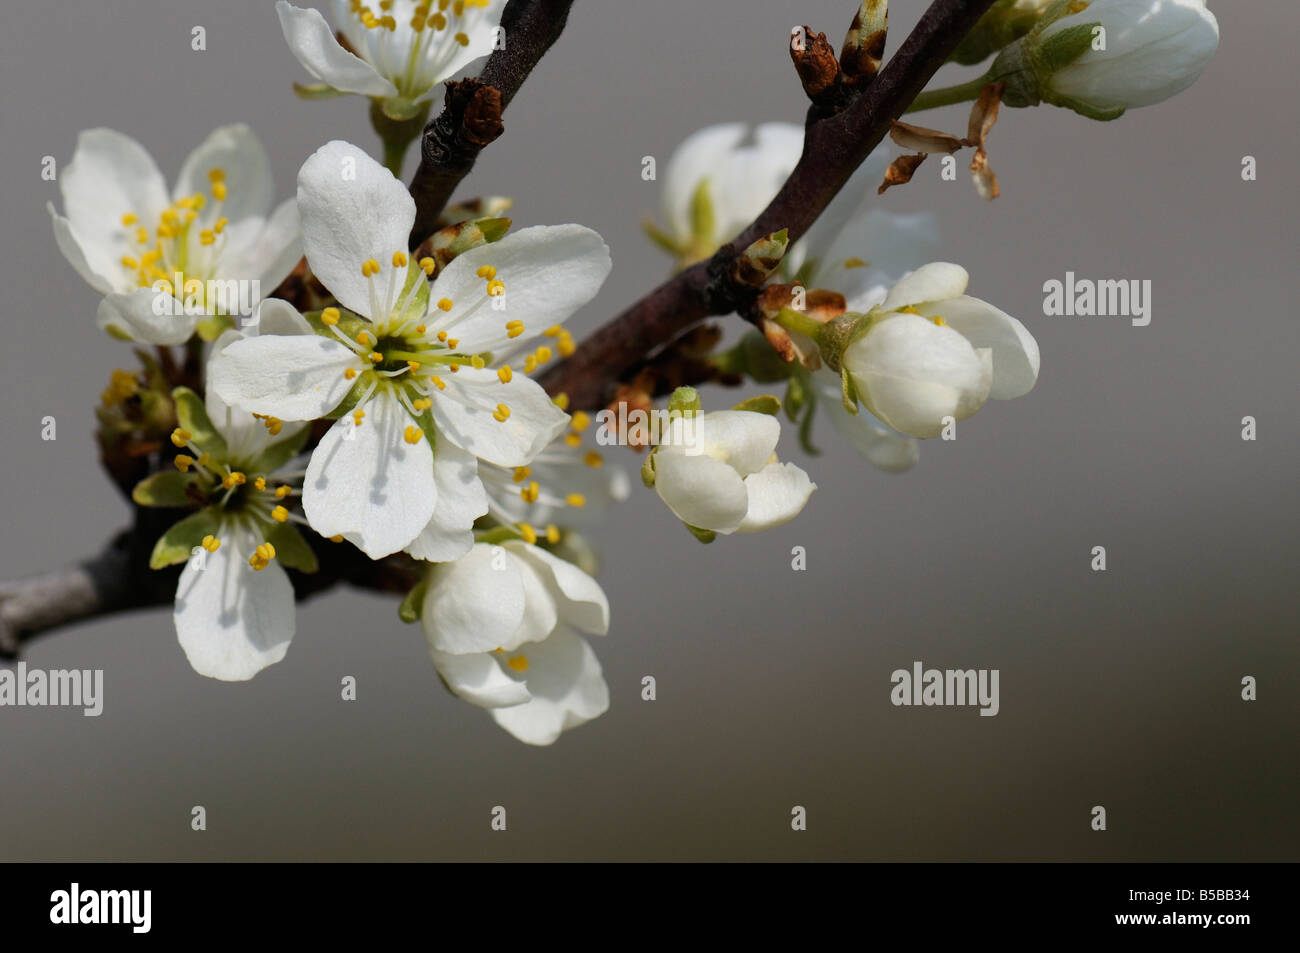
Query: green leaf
(193, 416)
(763, 404)
(170, 488)
(413, 602)
(291, 549)
(178, 542)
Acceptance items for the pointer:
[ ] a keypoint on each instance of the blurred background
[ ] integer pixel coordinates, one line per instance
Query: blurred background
(1119, 688)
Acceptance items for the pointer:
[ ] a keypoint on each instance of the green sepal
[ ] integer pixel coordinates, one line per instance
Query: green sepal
(1087, 110)
(660, 237)
(703, 535)
(497, 535)
(193, 416)
(796, 396)
(169, 488)
(402, 110)
(175, 545)
(291, 549)
(684, 400)
(1063, 48)
(117, 334)
(213, 326)
(316, 91)
(848, 393)
(349, 323)
(762, 404)
(806, 425)
(281, 452)
(648, 469)
(703, 221)
(413, 602)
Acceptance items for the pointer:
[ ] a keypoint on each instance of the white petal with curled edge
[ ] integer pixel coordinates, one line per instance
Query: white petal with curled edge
(474, 604)
(366, 482)
(740, 438)
(567, 688)
(698, 157)
(352, 209)
(107, 275)
(936, 281)
(312, 41)
(462, 499)
(777, 494)
(700, 491)
(272, 253)
(464, 412)
(290, 376)
(581, 601)
(109, 176)
(276, 316)
(479, 679)
(239, 154)
(886, 449)
(232, 620)
(1015, 352)
(549, 272)
(137, 316)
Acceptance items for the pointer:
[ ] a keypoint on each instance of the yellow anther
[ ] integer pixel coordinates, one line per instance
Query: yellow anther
(1078, 6)
(363, 338)
(422, 404)
(478, 362)
(413, 365)
(188, 202)
(561, 401)
(389, 24)
(442, 336)
(428, 266)
(129, 219)
(593, 459)
(129, 262)
(260, 483)
(543, 354)
(581, 421)
(566, 345)
(183, 462)
(484, 271)
(522, 474)
(910, 310)
(496, 287)
(445, 304)
(453, 368)
(505, 374)
(262, 557)
(141, 235)
(502, 413)
(216, 175)
(576, 499)
(420, 329)
(412, 434)
(205, 460)
(169, 216)
(552, 533)
(453, 342)
(441, 384)
(940, 322)
(282, 491)
(280, 514)
(554, 331)
(530, 492)
(357, 416)
(330, 316)
(439, 21)
(220, 224)
(233, 478)
(190, 216)
(462, 39)
(219, 191)
(181, 437)
(530, 364)
(211, 543)
(399, 259)
(529, 534)
(369, 268)
(350, 373)
(336, 538)
(855, 263)
(207, 237)
(572, 440)
(376, 357)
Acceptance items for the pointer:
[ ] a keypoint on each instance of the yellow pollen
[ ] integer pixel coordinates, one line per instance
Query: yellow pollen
(350, 373)
(1078, 6)
(220, 225)
(442, 336)
(376, 357)
(399, 259)
(428, 265)
(519, 663)
(855, 263)
(572, 440)
(180, 437)
(530, 364)
(552, 533)
(262, 557)
(211, 543)
(453, 368)
(216, 175)
(413, 365)
(280, 514)
(530, 492)
(183, 462)
(129, 262)
(357, 416)
(207, 237)
(529, 534)
(363, 337)
(554, 331)
(205, 459)
(369, 267)
(593, 459)
(439, 382)
(910, 310)
(439, 21)
(484, 271)
(282, 491)
(561, 401)
(478, 362)
(496, 287)
(187, 203)
(462, 39)
(543, 354)
(169, 216)
(141, 235)
(453, 342)
(422, 403)
(445, 304)
(576, 499)
(260, 483)
(522, 474)
(336, 538)
(129, 219)
(502, 413)
(233, 478)
(219, 191)
(420, 329)
(566, 345)
(330, 316)
(940, 321)
(412, 434)
(581, 421)
(505, 374)
(274, 425)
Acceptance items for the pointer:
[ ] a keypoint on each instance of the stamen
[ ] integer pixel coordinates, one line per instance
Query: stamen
(505, 374)
(412, 434)
(502, 413)
(211, 543)
(280, 514)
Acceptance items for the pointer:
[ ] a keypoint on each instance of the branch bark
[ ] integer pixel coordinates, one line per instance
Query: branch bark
(834, 146)
(471, 115)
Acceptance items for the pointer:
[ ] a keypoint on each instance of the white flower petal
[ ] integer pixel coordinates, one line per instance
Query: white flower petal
(366, 482)
(112, 277)
(293, 377)
(137, 316)
(743, 440)
(232, 620)
(883, 448)
(274, 251)
(276, 316)
(933, 282)
(312, 41)
(698, 157)
(461, 500)
(581, 601)
(110, 175)
(700, 491)
(352, 209)
(549, 273)
(474, 604)
(752, 175)
(1015, 352)
(480, 680)
(464, 412)
(567, 688)
(777, 494)
(239, 154)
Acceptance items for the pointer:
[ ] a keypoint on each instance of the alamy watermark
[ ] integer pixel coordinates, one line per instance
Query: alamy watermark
(950, 687)
(56, 688)
(1107, 297)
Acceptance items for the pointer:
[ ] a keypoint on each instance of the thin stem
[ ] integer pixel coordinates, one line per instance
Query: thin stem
(949, 95)
(397, 134)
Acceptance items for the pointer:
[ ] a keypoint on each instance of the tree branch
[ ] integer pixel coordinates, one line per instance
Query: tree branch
(471, 114)
(834, 146)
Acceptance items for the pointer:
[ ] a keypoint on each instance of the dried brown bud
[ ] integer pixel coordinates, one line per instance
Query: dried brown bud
(864, 46)
(482, 121)
(920, 139)
(814, 61)
(900, 172)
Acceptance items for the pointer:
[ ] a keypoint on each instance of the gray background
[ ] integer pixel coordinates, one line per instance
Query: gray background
(1118, 688)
